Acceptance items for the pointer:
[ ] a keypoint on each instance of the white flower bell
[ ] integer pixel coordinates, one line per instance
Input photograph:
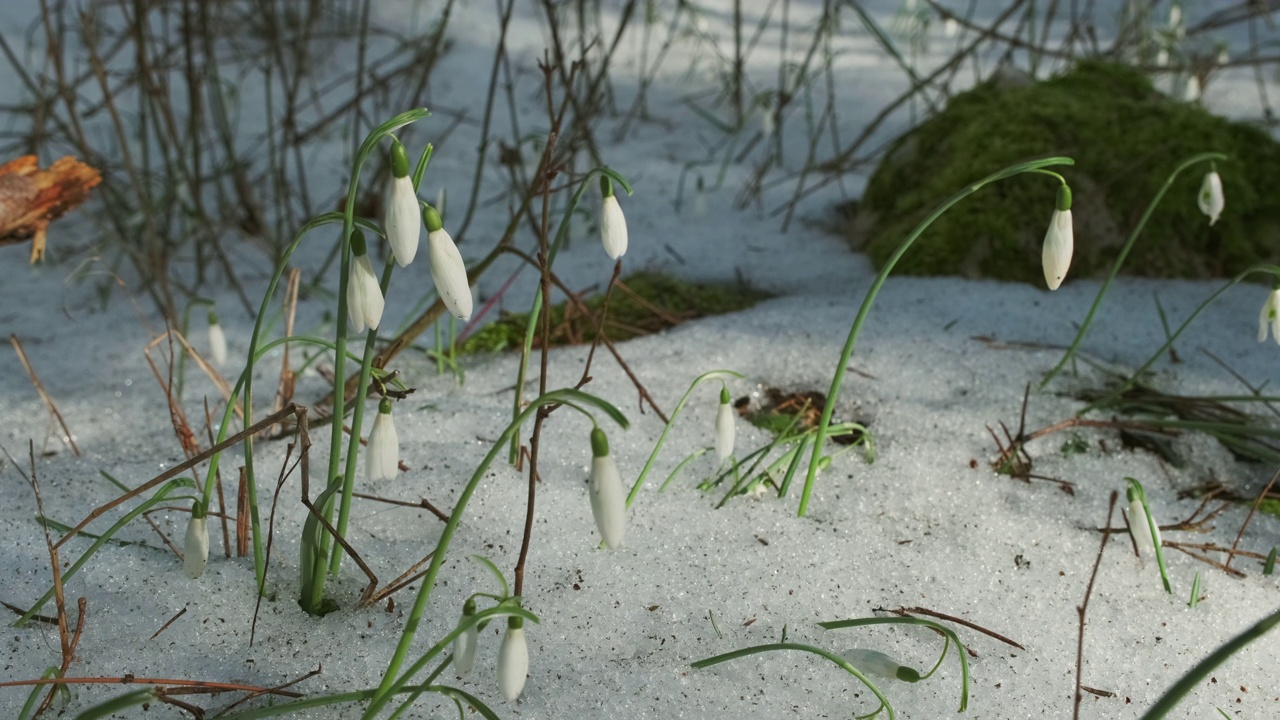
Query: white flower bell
(401, 219)
(217, 341)
(608, 499)
(1145, 533)
(613, 224)
(725, 418)
(1059, 241)
(1270, 317)
(364, 296)
(448, 272)
(1210, 199)
(195, 551)
(382, 460)
(513, 660)
(874, 662)
(464, 646)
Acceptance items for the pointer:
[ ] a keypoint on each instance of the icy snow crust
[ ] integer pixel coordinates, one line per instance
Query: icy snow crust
(927, 524)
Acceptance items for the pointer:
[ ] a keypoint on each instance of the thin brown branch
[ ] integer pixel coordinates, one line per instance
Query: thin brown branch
(48, 401)
(1084, 607)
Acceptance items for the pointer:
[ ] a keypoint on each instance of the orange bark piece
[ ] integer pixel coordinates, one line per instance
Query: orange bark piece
(31, 198)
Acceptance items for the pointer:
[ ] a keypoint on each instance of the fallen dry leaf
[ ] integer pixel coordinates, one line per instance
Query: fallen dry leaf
(31, 198)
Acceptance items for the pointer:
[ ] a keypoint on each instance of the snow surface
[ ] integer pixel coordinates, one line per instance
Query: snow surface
(927, 524)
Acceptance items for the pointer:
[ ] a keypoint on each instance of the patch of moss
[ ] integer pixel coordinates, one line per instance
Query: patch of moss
(645, 303)
(1270, 507)
(1125, 138)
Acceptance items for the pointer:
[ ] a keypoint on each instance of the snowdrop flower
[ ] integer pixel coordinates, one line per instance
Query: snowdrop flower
(613, 225)
(1059, 241)
(1210, 199)
(195, 552)
(464, 646)
(1191, 89)
(513, 659)
(383, 458)
(400, 208)
(448, 272)
(217, 341)
(874, 662)
(950, 27)
(364, 296)
(1146, 535)
(724, 426)
(1270, 317)
(608, 500)
(1223, 56)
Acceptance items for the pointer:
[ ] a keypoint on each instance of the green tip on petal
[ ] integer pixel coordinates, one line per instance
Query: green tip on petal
(197, 510)
(724, 395)
(599, 443)
(431, 219)
(906, 674)
(606, 186)
(1064, 197)
(357, 243)
(469, 607)
(213, 317)
(515, 622)
(384, 407)
(399, 159)
(1135, 490)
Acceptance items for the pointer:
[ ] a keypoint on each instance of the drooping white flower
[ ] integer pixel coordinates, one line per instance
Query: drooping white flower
(874, 662)
(217, 341)
(1145, 533)
(195, 552)
(382, 460)
(464, 646)
(364, 296)
(513, 660)
(1270, 317)
(608, 499)
(613, 224)
(448, 272)
(1059, 241)
(725, 418)
(1210, 199)
(401, 219)
(1191, 89)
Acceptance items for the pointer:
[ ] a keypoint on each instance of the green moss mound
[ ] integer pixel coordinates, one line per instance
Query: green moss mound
(645, 303)
(1125, 138)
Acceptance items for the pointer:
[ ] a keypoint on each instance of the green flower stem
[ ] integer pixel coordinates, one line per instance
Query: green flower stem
(770, 647)
(562, 234)
(1197, 674)
(1273, 270)
(946, 632)
(675, 413)
(390, 679)
(1152, 530)
(1124, 254)
(838, 379)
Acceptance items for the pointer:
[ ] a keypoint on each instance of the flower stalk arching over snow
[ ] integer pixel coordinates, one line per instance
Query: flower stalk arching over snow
(1059, 241)
(874, 662)
(217, 341)
(724, 426)
(1270, 316)
(195, 549)
(400, 219)
(464, 646)
(448, 271)
(513, 660)
(608, 499)
(364, 296)
(1211, 199)
(383, 459)
(613, 224)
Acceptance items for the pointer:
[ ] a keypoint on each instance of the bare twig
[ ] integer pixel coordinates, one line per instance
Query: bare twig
(48, 401)
(1084, 607)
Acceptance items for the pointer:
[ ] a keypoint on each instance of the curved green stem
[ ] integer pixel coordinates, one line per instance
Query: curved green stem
(390, 679)
(770, 647)
(1124, 254)
(709, 375)
(946, 632)
(856, 328)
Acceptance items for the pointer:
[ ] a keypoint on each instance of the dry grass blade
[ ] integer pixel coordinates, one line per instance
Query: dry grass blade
(48, 401)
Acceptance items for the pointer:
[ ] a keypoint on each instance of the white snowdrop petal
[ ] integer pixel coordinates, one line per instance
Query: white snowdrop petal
(364, 296)
(1139, 530)
(383, 454)
(1211, 199)
(725, 426)
(608, 500)
(401, 219)
(872, 662)
(195, 552)
(513, 663)
(613, 228)
(449, 273)
(217, 345)
(1059, 243)
(464, 651)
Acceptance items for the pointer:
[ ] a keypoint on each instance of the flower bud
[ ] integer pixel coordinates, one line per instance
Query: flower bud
(217, 341)
(513, 660)
(364, 295)
(448, 272)
(1210, 199)
(1059, 241)
(725, 418)
(400, 219)
(195, 552)
(613, 224)
(382, 460)
(874, 662)
(608, 499)
(464, 646)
